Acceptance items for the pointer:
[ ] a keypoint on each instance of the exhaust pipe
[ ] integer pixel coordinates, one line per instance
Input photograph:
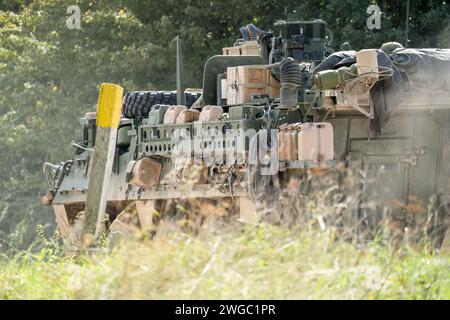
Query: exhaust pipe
(290, 79)
(290, 74)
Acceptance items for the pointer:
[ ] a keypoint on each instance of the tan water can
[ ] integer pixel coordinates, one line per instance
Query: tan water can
(289, 143)
(171, 115)
(210, 113)
(282, 143)
(366, 61)
(146, 173)
(294, 140)
(188, 115)
(316, 142)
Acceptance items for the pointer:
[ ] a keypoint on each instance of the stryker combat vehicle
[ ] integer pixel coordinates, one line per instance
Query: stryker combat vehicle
(278, 113)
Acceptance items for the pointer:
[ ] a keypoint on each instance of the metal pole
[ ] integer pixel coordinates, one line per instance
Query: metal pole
(180, 74)
(407, 24)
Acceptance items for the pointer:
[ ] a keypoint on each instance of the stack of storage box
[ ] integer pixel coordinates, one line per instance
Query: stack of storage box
(245, 81)
(248, 48)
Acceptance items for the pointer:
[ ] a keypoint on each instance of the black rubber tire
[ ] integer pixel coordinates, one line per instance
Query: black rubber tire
(138, 104)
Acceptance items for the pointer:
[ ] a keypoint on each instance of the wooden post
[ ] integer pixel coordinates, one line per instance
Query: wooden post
(145, 210)
(61, 219)
(108, 117)
(247, 211)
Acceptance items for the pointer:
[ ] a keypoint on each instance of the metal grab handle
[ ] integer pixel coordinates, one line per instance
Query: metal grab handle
(76, 145)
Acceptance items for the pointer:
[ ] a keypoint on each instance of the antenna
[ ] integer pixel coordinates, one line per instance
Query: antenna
(407, 24)
(181, 99)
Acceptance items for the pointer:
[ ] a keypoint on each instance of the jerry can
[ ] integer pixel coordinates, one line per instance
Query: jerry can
(316, 142)
(188, 115)
(294, 140)
(288, 142)
(171, 115)
(282, 143)
(210, 113)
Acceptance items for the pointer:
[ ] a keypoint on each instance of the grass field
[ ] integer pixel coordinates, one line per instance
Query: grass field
(254, 262)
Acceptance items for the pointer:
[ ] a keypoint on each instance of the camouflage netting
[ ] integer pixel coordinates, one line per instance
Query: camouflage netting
(413, 69)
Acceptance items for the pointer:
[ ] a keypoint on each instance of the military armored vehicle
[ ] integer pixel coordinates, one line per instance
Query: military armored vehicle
(278, 113)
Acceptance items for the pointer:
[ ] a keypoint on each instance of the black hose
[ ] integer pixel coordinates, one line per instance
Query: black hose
(290, 72)
(291, 80)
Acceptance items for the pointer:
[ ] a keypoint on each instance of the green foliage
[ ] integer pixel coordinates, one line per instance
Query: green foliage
(49, 74)
(13, 5)
(262, 262)
(49, 77)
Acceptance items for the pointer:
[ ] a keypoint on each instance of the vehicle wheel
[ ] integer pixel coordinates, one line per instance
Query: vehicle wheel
(264, 189)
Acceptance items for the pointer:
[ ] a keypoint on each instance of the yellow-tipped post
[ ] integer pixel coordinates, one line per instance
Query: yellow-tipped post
(108, 117)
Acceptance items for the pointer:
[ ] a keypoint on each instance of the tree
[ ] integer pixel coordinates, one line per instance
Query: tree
(13, 5)
(49, 78)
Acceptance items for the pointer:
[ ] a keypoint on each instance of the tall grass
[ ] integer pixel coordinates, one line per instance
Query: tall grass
(251, 262)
